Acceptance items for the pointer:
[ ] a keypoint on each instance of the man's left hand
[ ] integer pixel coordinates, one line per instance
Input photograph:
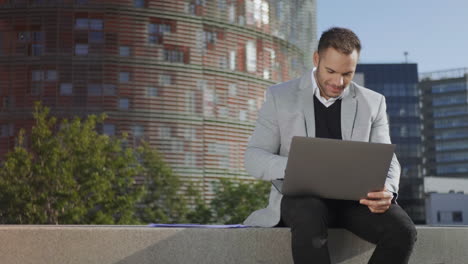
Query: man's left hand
(378, 202)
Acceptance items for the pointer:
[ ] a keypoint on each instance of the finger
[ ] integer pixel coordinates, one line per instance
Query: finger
(380, 195)
(375, 203)
(378, 211)
(385, 208)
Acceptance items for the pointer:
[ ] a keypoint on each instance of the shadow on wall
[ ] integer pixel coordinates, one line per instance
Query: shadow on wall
(251, 245)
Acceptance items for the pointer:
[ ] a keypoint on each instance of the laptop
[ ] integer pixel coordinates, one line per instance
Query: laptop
(335, 169)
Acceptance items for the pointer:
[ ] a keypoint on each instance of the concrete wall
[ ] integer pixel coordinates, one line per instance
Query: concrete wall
(139, 244)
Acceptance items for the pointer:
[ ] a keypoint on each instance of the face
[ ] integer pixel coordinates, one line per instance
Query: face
(335, 70)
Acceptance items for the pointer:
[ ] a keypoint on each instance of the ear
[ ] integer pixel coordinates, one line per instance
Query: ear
(316, 59)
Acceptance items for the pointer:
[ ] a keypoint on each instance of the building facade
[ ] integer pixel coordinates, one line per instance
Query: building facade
(445, 113)
(188, 76)
(446, 200)
(399, 84)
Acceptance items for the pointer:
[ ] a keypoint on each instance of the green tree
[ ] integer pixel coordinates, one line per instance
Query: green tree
(161, 202)
(236, 199)
(165, 200)
(73, 176)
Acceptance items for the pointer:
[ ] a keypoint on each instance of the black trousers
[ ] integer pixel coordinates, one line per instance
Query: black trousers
(309, 218)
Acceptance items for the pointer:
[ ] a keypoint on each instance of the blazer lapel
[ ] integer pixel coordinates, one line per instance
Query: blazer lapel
(307, 101)
(348, 113)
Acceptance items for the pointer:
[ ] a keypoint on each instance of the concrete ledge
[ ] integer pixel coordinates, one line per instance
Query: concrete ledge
(140, 244)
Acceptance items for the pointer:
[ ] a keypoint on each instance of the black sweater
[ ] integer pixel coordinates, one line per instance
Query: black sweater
(327, 119)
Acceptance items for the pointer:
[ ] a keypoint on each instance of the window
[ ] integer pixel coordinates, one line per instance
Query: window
(96, 24)
(108, 89)
(124, 51)
(222, 4)
(94, 89)
(251, 56)
(165, 132)
(177, 146)
(159, 28)
(8, 130)
(66, 89)
(452, 168)
(232, 13)
(190, 159)
(8, 101)
(223, 112)
(190, 102)
(124, 77)
(156, 30)
(138, 131)
(444, 217)
(449, 87)
(232, 90)
(210, 39)
(190, 133)
(223, 62)
(81, 49)
(257, 12)
(153, 39)
(85, 23)
(24, 36)
(123, 103)
(152, 91)
(34, 41)
(36, 88)
(51, 75)
(37, 76)
(457, 216)
(139, 3)
(173, 55)
(96, 37)
(165, 79)
(81, 23)
(36, 49)
(252, 105)
(243, 115)
(94, 27)
(232, 60)
(108, 129)
(266, 74)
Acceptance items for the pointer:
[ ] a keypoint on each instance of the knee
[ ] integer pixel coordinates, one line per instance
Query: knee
(303, 211)
(404, 235)
(411, 235)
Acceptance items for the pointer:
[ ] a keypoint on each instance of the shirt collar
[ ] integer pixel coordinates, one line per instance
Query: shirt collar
(323, 100)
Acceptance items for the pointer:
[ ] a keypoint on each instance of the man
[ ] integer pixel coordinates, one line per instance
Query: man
(326, 103)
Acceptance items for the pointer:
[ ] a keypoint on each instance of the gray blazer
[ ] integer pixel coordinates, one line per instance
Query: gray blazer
(289, 111)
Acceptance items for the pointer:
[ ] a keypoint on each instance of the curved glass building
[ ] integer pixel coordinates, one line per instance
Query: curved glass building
(186, 75)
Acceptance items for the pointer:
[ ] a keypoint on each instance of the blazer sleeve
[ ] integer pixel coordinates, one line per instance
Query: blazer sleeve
(262, 159)
(380, 134)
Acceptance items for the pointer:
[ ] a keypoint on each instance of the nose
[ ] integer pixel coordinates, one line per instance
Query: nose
(338, 80)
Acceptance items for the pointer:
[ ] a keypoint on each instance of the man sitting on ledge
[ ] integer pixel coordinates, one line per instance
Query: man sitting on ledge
(325, 103)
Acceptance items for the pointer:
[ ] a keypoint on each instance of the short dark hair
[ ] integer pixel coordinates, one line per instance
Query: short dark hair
(342, 39)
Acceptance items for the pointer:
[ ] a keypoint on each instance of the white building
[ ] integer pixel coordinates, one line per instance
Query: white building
(446, 201)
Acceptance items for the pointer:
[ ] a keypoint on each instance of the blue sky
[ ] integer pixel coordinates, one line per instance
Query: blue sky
(435, 33)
